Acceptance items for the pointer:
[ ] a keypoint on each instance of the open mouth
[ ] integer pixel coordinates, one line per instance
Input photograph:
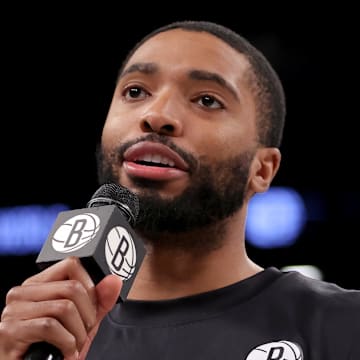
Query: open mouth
(154, 161)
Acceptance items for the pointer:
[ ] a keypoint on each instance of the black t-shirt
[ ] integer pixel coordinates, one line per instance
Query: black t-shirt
(272, 315)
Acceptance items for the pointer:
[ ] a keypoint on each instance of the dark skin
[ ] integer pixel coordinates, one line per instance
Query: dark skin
(176, 94)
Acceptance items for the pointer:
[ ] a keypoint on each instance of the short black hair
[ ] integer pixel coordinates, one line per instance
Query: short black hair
(262, 79)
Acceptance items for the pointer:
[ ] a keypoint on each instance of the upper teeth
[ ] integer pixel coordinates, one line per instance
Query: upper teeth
(156, 158)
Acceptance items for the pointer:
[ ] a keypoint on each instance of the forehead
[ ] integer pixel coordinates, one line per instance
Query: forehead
(178, 48)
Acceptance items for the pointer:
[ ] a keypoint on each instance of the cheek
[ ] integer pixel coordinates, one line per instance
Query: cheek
(115, 128)
(219, 144)
(111, 135)
(107, 134)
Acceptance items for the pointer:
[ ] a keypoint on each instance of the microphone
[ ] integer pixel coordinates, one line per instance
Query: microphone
(102, 237)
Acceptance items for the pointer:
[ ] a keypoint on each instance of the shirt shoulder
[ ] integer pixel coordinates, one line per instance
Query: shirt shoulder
(321, 298)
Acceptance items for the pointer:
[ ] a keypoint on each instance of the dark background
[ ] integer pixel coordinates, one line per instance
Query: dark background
(58, 71)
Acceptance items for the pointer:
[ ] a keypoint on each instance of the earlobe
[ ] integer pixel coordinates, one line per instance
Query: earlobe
(264, 168)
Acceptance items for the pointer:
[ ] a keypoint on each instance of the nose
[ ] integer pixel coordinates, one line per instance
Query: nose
(163, 116)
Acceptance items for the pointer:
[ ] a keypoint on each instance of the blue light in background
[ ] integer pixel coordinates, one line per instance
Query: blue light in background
(24, 229)
(275, 218)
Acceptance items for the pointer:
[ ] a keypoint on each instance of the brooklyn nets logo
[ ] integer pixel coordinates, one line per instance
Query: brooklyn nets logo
(280, 350)
(120, 252)
(75, 232)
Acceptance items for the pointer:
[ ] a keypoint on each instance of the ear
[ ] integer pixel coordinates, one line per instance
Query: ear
(263, 169)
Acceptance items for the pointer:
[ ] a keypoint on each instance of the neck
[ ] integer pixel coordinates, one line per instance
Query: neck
(172, 271)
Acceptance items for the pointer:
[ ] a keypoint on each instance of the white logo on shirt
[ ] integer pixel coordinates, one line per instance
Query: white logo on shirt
(279, 350)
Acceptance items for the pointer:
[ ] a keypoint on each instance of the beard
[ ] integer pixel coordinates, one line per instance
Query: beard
(195, 218)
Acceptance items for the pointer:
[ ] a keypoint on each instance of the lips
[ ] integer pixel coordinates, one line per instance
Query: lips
(154, 161)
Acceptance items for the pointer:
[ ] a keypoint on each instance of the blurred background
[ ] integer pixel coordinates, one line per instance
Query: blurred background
(59, 67)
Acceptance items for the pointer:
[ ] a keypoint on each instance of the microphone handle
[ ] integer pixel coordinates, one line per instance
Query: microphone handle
(43, 351)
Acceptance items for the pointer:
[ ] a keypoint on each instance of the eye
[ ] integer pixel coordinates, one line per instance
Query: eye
(134, 92)
(209, 102)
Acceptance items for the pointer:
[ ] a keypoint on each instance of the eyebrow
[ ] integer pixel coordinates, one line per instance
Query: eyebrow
(152, 68)
(210, 76)
(145, 68)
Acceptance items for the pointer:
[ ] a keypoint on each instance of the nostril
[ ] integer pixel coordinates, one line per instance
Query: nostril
(147, 126)
(151, 126)
(168, 128)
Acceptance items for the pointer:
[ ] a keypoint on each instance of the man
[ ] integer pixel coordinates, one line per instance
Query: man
(194, 129)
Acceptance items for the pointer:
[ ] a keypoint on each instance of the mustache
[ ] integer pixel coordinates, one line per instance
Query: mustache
(190, 159)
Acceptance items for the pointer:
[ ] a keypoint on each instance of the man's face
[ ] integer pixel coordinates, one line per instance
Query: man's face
(180, 132)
